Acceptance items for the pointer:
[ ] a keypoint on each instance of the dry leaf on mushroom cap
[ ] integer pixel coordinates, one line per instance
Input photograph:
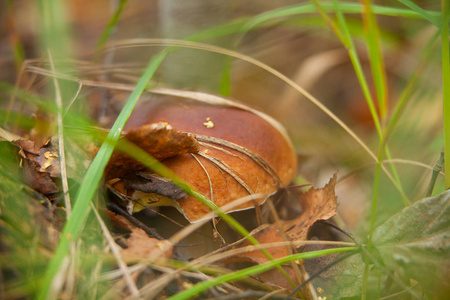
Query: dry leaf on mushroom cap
(241, 151)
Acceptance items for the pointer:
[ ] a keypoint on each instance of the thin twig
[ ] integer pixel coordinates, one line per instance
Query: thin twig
(211, 197)
(116, 252)
(70, 277)
(148, 230)
(218, 256)
(316, 274)
(62, 155)
(196, 275)
(436, 170)
(211, 191)
(308, 292)
(249, 294)
(346, 233)
(209, 145)
(256, 158)
(223, 166)
(152, 289)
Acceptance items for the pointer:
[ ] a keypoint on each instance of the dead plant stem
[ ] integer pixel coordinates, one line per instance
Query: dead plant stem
(116, 252)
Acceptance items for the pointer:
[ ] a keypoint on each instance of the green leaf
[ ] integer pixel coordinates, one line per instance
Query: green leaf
(111, 25)
(415, 243)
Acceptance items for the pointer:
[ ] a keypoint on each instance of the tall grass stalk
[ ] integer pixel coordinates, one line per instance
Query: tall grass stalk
(446, 87)
(92, 179)
(301, 9)
(348, 43)
(110, 27)
(371, 32)
(379, 76)
(426, 15)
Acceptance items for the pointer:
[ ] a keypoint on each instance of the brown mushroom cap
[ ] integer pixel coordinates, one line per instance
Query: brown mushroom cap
(240, 153)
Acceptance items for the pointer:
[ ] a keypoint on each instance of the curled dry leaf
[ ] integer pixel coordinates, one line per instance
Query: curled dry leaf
(141, 246)
(152, 183)
(38, 166)
(317, 204)
(48, 161)
(159, 139)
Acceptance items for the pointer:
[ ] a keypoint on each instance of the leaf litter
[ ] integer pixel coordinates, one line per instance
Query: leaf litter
(142, 247)
(317, 204)
(414, 244)
(38, 166)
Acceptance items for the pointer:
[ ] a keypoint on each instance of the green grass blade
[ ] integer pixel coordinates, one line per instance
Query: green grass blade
(332, 23)
(245, 25)
(237, 275)
(409, 89)
(371, 31)
(348, 43)
(111, 25)
(345, 7)
(18, 48)
(55, 34)
(55, 38)
(306, 9)
(446, 88)
(403, 100)
(92, 179)
(221, 30)
(225, 82)
(435, 21)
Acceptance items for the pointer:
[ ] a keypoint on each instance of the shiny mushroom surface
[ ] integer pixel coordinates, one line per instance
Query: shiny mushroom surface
(240, 153)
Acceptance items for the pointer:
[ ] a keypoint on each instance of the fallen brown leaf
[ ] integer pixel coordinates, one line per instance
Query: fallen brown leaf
(36, 177)
(265, 234)
(317, 204)
(141, 246)
(48, 161)
(27, 146)
(118, 221)
(148, 182)
(160, 140)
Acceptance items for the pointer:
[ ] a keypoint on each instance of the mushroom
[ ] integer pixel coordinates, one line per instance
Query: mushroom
(240, 152)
